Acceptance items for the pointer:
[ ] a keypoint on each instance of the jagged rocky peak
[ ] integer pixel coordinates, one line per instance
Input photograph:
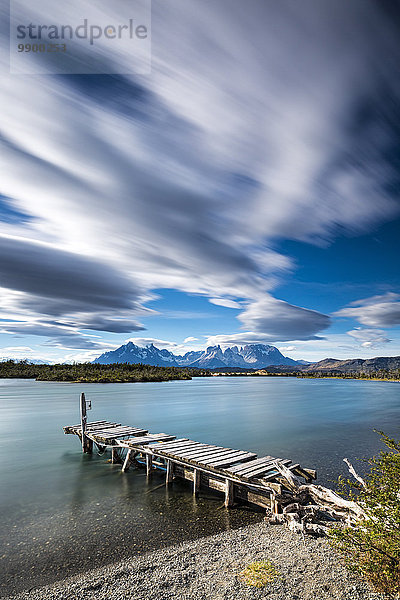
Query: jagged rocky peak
(254, 356)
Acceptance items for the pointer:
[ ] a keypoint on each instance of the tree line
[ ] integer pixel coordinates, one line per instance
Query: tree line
(389, 374)
(96, 373)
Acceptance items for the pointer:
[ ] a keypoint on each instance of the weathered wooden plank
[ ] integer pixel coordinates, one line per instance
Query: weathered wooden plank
(229, 460)
(177, 451)
(184, 473)
(218, 455)
(104, 424)
(263, 473)
(215, 484)
(257, 461)
(175, 442)
(114, 430)
(312, 472)
(78, 425)
(104, 427)
(237, 453)
(193, 447)
(108, 435)
(252, 466)
(308, 474)
(258, 471)
(172, 450)
(271, 473)
(257, 498)
(200, 450)
(211, 482)
(98, 427)
(147, 439)
(204, 456)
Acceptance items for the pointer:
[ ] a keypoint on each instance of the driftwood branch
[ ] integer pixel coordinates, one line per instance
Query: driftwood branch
(304, 505)
(354, 473)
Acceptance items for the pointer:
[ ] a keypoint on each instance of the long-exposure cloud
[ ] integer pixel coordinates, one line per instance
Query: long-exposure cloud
(187, 178)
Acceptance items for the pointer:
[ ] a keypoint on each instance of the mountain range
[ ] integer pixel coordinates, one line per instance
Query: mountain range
(251, 356)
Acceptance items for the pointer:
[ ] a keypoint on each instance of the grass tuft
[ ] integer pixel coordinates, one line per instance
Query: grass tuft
(258, 574)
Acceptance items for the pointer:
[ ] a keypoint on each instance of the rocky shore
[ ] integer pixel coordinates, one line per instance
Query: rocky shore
(208, 569)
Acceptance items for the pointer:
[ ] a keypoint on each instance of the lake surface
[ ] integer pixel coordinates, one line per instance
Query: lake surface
(63, 512)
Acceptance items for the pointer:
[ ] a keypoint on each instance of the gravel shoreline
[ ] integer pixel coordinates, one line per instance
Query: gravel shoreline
(207, 569)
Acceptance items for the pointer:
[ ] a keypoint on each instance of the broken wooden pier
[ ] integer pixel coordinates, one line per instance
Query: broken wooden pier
(240, 475)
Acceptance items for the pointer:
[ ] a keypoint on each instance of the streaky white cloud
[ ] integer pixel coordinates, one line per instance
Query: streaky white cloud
(239, 339)
(57, 335)
(190, 339)
(16, 350)
(226, 302)
(369, 338)
(376, 311)
(186, 179)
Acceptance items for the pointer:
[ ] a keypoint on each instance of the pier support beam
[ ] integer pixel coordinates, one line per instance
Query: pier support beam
(149, 464)
(229, 493)
(196, 481)
(128, 460)
(274, 504)
(115, 458)
(170, 472)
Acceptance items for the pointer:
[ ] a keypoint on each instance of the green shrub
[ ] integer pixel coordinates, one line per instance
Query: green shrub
(372, 548)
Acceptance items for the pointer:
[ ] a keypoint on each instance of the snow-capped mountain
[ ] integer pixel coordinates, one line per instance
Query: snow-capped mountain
(130, 353)
(252, 356)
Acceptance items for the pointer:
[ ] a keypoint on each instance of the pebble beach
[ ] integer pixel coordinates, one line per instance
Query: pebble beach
(209, 569)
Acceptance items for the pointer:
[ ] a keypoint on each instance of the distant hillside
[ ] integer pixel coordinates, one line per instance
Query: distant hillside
(251, 356)
(356, 365)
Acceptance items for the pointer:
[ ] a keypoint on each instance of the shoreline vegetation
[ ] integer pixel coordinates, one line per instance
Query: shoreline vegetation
(134, 373)
(381, 376)
(96, 373)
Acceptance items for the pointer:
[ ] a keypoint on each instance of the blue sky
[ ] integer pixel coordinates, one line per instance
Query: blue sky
(246, 191)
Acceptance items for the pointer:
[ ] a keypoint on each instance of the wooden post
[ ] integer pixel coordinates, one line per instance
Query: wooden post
(83, 422)
(128, 461)
(114, 455)
(170, 472)
(274, 504)
(196, 481)
(228, 493)
(149, 464)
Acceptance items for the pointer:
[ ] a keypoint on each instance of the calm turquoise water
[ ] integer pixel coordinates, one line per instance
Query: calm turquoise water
(62, 512)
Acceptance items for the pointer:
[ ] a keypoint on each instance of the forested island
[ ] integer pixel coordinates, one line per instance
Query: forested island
(95, 373)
